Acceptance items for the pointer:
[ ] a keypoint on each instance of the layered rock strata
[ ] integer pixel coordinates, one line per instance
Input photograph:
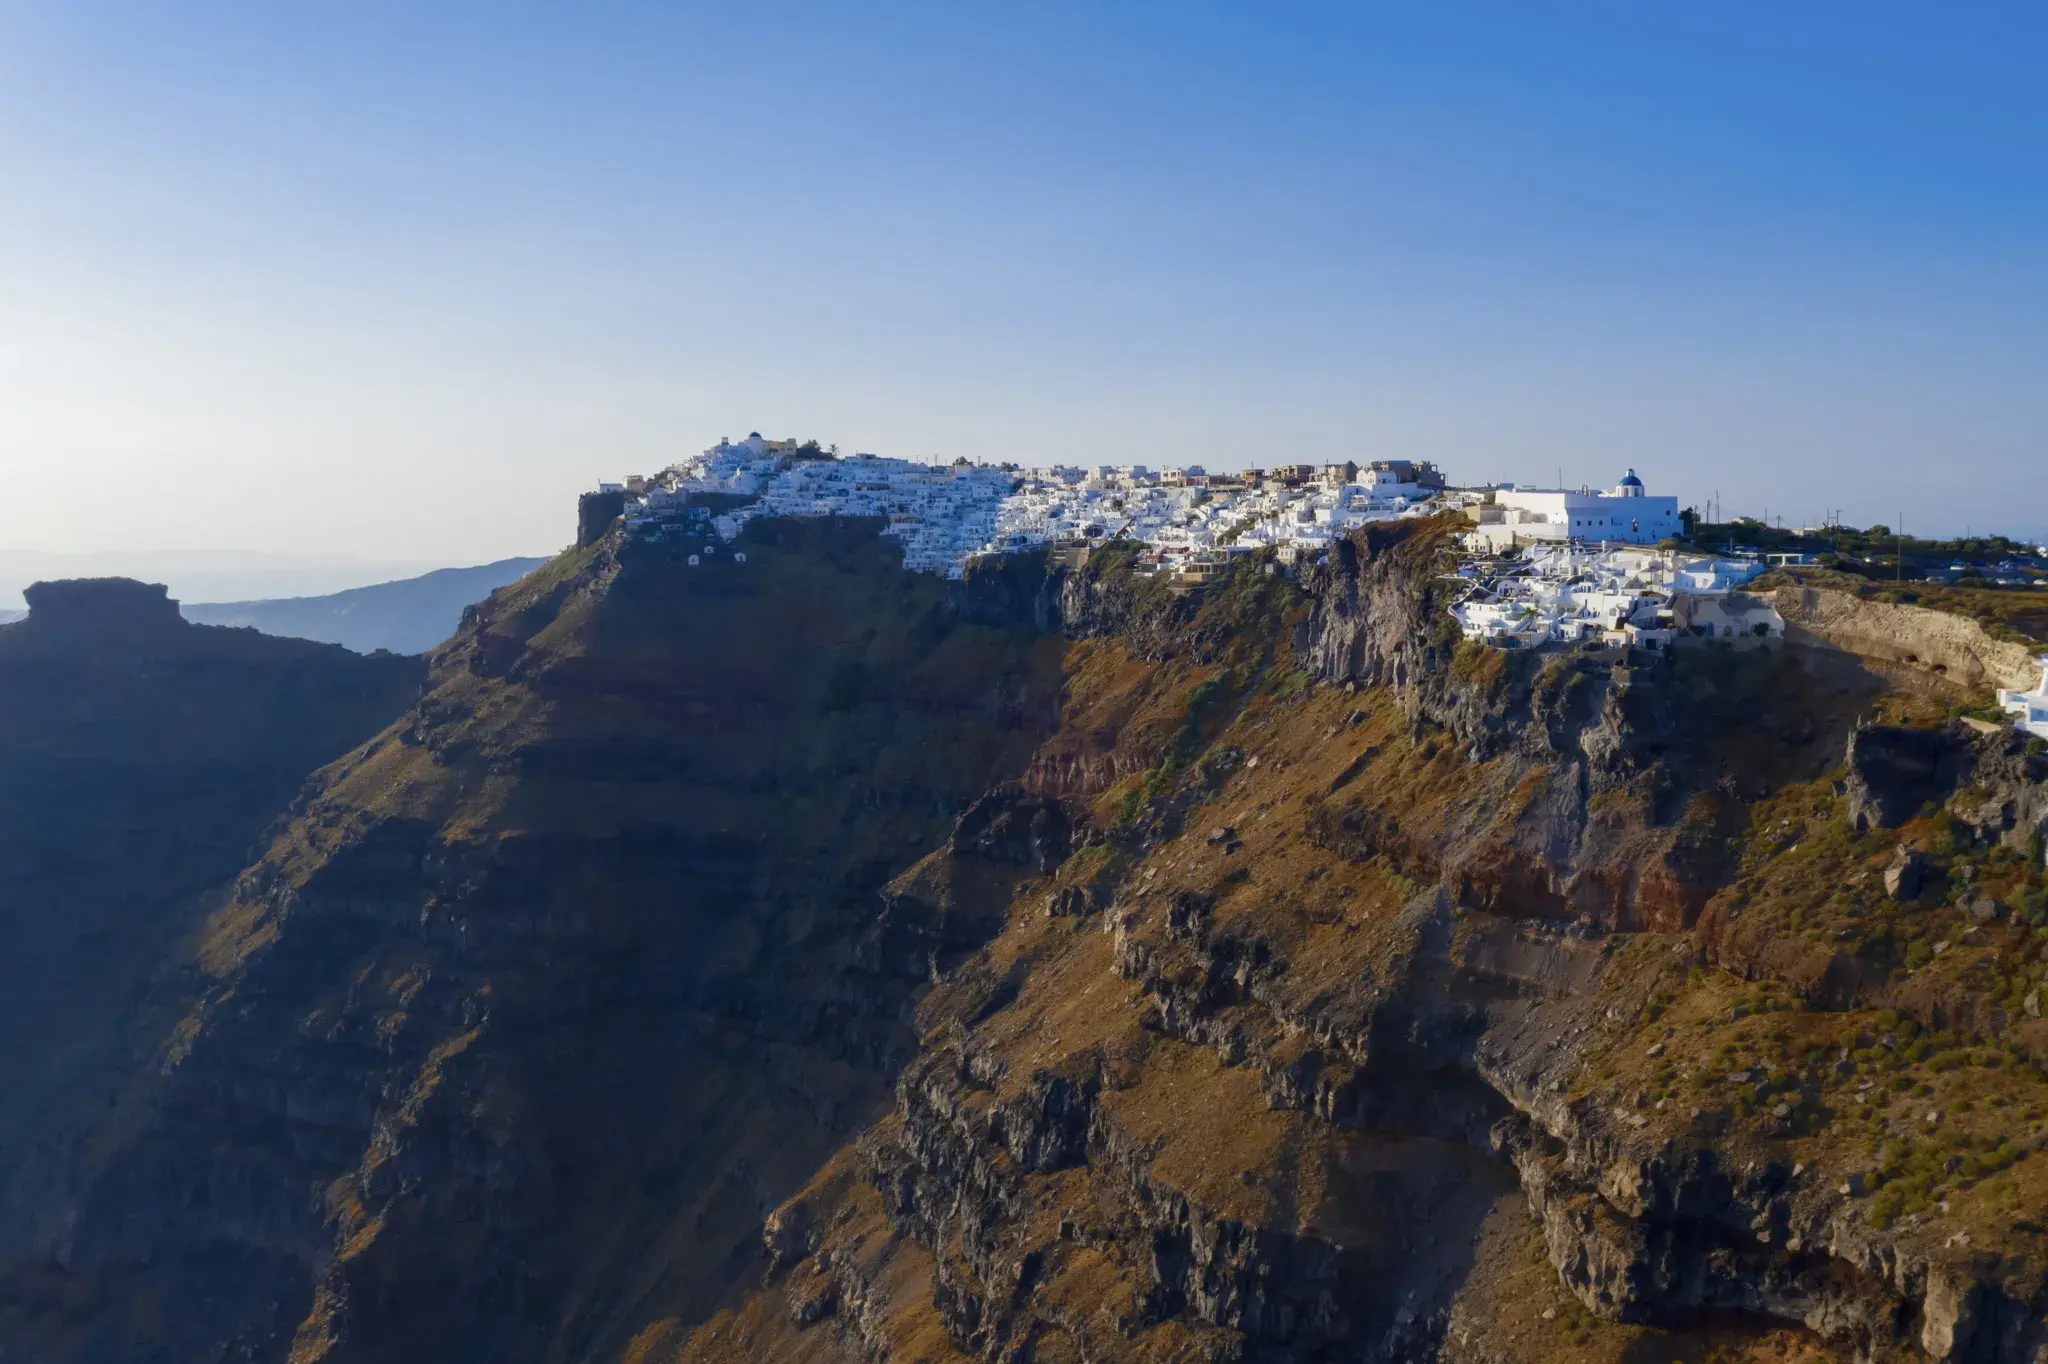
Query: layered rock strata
(801, 959)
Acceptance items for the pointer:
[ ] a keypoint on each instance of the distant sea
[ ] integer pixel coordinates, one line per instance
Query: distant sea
(408, 615)
(205, 576)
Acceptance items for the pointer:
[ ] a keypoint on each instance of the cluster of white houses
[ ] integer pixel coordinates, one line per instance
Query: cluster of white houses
(1547, 565)
(1648, 598)
(1188, 520)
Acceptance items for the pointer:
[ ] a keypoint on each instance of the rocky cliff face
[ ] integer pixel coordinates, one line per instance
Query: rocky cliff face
(1451, 1008)
(540, 1000)
(1931, 645)
(140, 759)
(119, 612)
(800, 959)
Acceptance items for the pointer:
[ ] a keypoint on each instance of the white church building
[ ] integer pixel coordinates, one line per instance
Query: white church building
(1621, 515)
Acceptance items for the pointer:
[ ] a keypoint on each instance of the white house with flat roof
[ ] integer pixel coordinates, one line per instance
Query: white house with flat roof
(1621, 515)
(2029, 709)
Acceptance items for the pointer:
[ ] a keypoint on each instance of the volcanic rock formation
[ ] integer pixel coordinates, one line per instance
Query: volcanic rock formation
(140, 760)
(803, 959)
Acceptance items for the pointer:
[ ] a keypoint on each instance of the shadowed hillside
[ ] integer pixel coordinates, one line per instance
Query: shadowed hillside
(588, 957)
(141, 757)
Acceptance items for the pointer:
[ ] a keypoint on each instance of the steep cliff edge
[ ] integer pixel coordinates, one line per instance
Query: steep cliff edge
(542, 998)
(1468, 1006)
(1920, 641)
(140, 758)
(798, 959)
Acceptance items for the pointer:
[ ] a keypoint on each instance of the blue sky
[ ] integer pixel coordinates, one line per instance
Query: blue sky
(396, 281)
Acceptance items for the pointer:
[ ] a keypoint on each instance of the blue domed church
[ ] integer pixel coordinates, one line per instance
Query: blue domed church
(1624, 514)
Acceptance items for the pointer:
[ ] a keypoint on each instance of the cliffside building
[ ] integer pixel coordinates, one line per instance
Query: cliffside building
(2029, 709)
(1563, 595)
(1622, 515)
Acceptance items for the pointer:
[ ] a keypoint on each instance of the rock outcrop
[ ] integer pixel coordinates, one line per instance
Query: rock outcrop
(1927, 642)
(596, 514)
(1893, 771)
(114, 610)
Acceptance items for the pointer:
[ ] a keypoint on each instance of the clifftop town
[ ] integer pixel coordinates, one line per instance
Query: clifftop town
(1541, 566)
(1188, 520)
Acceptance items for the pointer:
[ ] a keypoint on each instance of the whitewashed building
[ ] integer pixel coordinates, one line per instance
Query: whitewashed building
(1567, 594)
(1624, 514)
(2029, 709)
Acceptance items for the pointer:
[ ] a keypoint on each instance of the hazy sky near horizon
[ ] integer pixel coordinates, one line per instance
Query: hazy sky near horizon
(399, 280)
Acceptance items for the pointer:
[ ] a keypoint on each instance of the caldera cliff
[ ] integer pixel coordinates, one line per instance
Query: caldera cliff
(141, 761)
(797, 958)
